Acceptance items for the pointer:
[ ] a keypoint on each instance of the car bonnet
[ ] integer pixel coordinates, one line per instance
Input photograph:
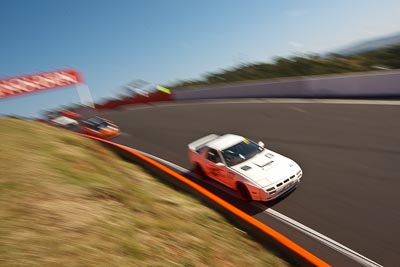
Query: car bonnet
(263, 169)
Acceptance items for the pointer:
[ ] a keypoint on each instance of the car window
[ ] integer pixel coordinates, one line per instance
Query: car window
(241, 152)
(213, 156)
(103, 124)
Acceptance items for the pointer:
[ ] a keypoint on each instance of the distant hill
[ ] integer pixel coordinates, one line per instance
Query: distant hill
(370, 45)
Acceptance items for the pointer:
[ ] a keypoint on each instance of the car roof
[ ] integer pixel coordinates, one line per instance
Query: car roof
(225, 141)
(96, 120)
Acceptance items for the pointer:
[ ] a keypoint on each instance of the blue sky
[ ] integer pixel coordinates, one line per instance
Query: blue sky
(114, 42)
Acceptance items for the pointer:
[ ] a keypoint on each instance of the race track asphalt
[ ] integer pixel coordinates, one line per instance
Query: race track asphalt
(350, 155)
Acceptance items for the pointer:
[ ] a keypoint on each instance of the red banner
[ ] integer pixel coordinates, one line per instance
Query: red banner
(38, 82)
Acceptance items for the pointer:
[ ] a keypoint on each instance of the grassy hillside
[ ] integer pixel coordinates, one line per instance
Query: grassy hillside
(67, 201)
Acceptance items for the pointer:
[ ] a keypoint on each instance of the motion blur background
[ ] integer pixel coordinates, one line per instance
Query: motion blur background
(183, 43)
(61, 191)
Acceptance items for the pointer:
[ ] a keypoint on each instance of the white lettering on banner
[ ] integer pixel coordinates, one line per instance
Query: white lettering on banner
(23, 85)
(37, 82)
(28, 86)
(44, 82)
(4, 88)
(66, 77)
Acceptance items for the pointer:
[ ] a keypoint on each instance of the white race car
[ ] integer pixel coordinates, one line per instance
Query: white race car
(255, 172)
(64, 121)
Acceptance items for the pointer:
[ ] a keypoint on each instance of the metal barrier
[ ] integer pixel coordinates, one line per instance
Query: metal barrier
(380, 84)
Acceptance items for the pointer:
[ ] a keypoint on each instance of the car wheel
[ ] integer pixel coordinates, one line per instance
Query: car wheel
(199, 171)
(243, 192)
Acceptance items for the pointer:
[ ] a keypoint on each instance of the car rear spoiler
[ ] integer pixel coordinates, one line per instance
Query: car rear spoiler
(200, 143)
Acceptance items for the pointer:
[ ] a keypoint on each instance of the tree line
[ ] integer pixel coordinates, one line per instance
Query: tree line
(384, 58)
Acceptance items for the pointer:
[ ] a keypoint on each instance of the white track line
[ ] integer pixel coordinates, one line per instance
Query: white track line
(320, 237)
(283, 218)
(271, 101)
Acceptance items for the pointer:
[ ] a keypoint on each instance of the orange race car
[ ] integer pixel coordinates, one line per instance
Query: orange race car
(99, 127)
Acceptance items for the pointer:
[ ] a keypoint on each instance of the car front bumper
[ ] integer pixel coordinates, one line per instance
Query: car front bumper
(283, 189)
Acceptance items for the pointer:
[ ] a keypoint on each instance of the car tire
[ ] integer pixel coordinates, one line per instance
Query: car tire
(243, 192)
(199, 171)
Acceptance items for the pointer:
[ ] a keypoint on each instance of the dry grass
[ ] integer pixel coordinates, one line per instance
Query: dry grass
(66, 201)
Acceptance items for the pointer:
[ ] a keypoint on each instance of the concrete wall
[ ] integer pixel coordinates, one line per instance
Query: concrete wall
(369, 84)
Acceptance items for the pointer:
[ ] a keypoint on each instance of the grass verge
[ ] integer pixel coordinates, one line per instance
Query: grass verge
(67, 201)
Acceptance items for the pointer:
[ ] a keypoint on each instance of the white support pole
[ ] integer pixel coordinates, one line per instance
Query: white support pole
(84, 95)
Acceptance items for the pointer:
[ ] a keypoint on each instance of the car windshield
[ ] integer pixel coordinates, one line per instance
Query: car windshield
(241, 152)
(103, 124)
(95, 120)
(98, 123)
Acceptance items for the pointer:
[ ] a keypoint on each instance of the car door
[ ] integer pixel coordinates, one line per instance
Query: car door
(213, 160)
(216, 168)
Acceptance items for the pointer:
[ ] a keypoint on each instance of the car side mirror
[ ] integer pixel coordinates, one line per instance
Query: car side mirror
(219, 164)
(261, 144)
